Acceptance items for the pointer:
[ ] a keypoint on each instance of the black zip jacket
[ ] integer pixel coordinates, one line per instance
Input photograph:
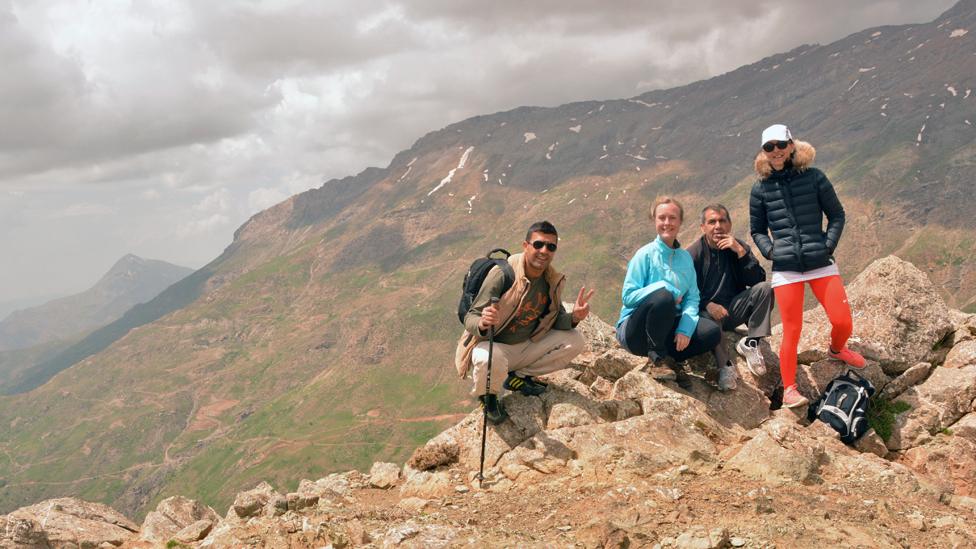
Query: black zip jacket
(746, 271)
(790, 205)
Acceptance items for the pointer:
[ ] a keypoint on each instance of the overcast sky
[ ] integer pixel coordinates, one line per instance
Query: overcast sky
(158, 127)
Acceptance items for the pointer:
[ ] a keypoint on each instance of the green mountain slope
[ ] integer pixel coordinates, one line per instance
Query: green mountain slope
(322, 339)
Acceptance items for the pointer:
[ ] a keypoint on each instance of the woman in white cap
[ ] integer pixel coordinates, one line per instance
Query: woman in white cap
(786, 211)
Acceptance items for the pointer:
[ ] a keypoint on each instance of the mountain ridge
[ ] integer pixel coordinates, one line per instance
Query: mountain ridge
(328, 319)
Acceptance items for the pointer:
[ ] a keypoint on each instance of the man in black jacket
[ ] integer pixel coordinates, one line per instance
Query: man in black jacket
(733, 291)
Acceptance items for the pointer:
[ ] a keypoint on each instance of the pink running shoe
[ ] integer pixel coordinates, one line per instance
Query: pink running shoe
(792, 398)
(848, 357)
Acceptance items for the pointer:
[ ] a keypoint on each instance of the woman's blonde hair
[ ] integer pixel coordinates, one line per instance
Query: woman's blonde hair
(666, 200)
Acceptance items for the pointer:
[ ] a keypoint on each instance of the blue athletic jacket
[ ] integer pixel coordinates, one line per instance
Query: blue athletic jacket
(657, 266)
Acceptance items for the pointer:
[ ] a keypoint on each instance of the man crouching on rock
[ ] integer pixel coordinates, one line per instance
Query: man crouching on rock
(733, 289)
(534, 335)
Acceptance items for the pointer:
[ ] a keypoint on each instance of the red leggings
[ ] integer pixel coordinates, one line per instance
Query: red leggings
(831, 295)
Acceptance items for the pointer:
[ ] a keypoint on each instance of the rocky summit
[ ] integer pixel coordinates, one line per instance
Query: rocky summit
(609, 457)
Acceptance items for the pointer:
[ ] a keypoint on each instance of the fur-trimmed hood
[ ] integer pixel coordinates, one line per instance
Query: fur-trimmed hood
(803, 155)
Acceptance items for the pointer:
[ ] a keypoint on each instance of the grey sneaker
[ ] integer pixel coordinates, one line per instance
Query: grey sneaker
(727, 376)
(754, 358)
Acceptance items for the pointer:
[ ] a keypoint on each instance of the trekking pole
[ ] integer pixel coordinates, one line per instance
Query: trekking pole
(484, 416)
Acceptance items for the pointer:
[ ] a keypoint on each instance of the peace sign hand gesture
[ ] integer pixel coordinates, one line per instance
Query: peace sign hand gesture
(582, 306)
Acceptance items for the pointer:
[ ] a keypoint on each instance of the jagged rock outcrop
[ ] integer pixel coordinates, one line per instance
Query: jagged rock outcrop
(262, 499)
(966, 427)
(899, 318)
(178, 518)
(611, 365)
(65, 522)
(780, 453)
(944, 398)
(746, 407)
(948, 461)
(963, 352)
(384, 475)
(907, 379)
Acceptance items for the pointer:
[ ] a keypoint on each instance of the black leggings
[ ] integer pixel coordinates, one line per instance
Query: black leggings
(652, 325)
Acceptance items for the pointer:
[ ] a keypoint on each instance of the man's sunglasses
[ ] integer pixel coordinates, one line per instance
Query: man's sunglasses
(768, 147)
(538, 244)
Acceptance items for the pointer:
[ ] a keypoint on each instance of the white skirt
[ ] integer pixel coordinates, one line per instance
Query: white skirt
(782, 278)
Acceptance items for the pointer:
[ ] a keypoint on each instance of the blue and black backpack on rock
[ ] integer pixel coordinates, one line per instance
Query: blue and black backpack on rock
(844, 406)
(475, 277)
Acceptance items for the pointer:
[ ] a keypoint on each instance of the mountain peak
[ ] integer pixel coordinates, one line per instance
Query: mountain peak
(131, 266)
(126, 262)
(131, 280)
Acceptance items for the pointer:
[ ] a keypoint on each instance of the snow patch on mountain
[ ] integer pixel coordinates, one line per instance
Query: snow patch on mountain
(551, 148)
(450, 174)
(409, 167)
(646, 104)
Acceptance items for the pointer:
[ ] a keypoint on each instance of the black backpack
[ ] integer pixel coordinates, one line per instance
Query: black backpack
(844, 405)
(475, 277)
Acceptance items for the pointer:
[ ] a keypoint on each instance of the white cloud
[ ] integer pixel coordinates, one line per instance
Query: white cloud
(202, 226)
(217, 201)
(84, 209)
(263, 198)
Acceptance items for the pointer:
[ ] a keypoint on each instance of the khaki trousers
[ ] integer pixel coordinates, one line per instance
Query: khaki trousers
(552, 352)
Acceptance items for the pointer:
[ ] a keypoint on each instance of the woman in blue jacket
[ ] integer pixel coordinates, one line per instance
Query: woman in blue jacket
(659, 318)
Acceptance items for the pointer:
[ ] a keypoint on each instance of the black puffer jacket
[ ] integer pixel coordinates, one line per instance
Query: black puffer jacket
(790, 204)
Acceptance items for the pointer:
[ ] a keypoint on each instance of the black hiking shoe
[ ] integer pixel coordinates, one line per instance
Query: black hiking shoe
(681, 377)
(525, 385)
(496, 412)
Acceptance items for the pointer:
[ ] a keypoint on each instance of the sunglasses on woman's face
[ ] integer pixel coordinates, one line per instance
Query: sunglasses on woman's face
(768, 147)
(538, 244)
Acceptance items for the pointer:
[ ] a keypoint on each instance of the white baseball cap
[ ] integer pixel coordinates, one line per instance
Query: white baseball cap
(776, 132)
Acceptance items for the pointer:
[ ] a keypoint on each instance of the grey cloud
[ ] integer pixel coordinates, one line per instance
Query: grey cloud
(669, 19)
(55, 117)
(36, 88)
(672, 43)
(300, 39)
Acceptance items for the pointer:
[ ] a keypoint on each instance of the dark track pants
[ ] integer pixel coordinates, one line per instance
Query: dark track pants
(652, 325)
(754, 307)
